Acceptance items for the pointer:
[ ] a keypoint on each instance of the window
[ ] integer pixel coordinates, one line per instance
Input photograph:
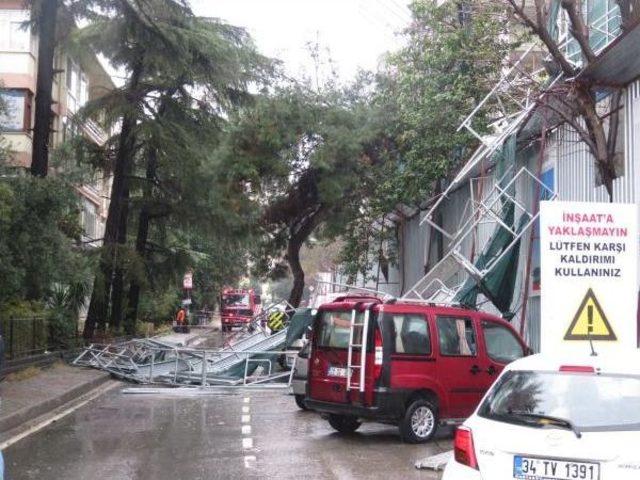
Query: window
(409, 333)
(17, 114)
(502, 345)
(457, 337)
(15, 34)
(83, 94)
(334, 329)
(89, 219)
(590, 402)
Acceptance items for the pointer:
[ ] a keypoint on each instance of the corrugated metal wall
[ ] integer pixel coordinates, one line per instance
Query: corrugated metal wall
(576, 170)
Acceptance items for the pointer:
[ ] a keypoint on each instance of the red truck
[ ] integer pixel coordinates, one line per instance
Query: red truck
(237, 307)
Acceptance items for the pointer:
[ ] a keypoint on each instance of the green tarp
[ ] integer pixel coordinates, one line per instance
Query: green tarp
(499, 284)
(300, 321)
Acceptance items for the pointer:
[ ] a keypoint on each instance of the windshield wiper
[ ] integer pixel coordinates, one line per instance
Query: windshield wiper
(548, 420)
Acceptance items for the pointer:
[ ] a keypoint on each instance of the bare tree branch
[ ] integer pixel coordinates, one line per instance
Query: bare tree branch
(539, 28)
(578, 28)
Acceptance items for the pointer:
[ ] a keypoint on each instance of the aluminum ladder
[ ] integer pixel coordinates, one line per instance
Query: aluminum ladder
(359, 347)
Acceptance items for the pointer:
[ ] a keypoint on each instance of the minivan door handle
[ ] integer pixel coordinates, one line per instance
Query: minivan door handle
(492, 370)
(475, 369)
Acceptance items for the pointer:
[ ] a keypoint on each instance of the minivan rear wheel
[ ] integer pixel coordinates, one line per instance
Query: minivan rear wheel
(344, 423)
(420, 422)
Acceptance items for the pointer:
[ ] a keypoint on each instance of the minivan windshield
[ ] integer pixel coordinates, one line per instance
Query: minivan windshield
(333, 328)
(522, 396)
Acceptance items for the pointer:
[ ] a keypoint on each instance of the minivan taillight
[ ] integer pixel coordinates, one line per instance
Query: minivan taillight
(463, 449)
(377, 352)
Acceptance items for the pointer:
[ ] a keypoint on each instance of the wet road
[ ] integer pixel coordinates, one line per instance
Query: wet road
(225, 436)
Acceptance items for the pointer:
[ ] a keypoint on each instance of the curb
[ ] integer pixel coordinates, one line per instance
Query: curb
(29, 413)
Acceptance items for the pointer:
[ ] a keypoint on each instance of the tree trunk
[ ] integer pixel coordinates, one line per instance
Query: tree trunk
(141, 241)
(117, 288)
(299, 233)
(144, 220)
(99, 305)
(43, 116)
(587, 107)
(293, 257)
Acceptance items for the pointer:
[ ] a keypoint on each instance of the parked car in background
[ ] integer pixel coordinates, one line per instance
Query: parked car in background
(555, 418)
(300, 372)
(405, 363)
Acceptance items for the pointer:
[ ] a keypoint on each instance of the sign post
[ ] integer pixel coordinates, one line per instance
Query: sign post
(187, 286)
(589, 276)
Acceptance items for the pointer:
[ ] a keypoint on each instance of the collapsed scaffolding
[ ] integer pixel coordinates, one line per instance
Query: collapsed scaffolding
(254, 357)
(458, 277)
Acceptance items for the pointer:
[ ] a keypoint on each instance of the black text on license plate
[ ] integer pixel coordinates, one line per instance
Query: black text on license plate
(531, 468)
(337, 372)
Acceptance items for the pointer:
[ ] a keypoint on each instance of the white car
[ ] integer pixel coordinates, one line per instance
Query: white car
(554, 418)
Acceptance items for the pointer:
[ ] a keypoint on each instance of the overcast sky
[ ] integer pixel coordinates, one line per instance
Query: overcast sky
(356, 32)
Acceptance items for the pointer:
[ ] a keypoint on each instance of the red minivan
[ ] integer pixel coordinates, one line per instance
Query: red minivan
(405, 363)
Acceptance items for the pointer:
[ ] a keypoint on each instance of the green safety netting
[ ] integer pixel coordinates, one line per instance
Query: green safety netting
(300, 321)
(498, 285)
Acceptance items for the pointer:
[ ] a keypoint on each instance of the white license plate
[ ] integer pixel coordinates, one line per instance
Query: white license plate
(529, 468)
(337, 372)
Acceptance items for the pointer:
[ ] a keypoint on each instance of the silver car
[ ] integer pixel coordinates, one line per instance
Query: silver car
(299, 380)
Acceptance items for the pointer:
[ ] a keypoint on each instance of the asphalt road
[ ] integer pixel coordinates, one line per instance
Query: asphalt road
(260, 434)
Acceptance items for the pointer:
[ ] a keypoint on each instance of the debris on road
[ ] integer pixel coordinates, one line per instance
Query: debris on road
(435, 462)
(256, 358)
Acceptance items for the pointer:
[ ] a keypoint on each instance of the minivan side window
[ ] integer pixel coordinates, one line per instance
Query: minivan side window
(502, 345)
(457, 336)
(409, 333)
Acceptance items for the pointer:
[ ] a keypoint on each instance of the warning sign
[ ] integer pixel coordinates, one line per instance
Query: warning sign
(590, 322)
(589, 276)
(276, 321)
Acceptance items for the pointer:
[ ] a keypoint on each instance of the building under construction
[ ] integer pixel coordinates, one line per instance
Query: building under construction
(477, 242)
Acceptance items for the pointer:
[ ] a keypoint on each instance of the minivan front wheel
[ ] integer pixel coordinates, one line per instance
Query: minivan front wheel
(420, 422)
(300, 402)
(344, 423)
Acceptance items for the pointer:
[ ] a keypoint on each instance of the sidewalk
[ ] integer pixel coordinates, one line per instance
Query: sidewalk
(186, 339)
(22, 400)
(38, 391)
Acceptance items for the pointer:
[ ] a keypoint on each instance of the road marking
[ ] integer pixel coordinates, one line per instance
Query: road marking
(246, 429)
(245, 409)
(247, 399)
(247, 443)
(249, 461)
(39, 426)
(246, 418)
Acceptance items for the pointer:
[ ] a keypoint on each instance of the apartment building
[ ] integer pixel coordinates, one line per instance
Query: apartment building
(76, 81)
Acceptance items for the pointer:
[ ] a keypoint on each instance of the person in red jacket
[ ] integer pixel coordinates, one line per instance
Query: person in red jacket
(181, 320)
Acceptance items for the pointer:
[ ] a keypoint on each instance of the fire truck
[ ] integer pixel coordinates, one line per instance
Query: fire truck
(238, 306)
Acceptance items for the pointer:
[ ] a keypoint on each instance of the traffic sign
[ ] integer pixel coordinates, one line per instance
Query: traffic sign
(187, 281)
(589, 276)
(590, 322)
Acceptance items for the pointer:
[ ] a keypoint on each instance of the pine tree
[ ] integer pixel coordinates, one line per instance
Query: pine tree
(184, 72)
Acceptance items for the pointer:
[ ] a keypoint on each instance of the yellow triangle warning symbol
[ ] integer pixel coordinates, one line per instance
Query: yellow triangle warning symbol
(590, 322)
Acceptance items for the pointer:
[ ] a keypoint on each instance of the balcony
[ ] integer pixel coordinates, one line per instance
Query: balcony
(94, 132)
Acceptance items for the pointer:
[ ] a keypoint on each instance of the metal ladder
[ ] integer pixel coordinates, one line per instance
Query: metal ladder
(360, 347)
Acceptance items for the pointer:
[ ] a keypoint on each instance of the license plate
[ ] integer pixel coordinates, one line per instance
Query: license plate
(529, 468)
(337, 372)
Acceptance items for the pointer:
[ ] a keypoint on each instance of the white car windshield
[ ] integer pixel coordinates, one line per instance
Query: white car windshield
(523, 396)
